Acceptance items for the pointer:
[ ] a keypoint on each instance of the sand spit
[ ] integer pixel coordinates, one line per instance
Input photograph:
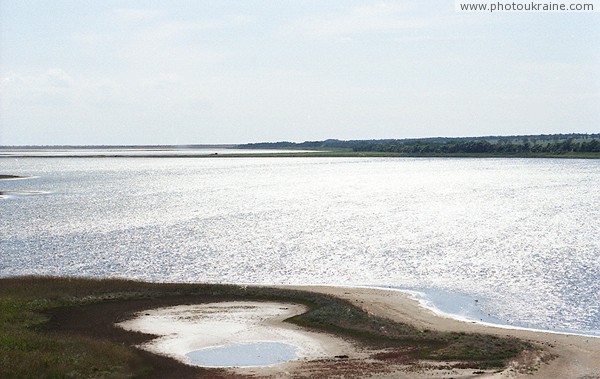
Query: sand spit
(563, 356)
(189, 328)
(186, 329)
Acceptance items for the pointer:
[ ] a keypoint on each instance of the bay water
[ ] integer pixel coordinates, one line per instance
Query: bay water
(510, 241)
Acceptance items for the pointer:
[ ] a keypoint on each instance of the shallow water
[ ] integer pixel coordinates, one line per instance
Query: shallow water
(518, 235)
(243, 355)
(132, 152)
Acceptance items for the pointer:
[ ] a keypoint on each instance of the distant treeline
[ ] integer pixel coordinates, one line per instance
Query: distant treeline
(552, 144)
(484, 147)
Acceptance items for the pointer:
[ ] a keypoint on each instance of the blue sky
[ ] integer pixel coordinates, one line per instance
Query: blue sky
(184, 72)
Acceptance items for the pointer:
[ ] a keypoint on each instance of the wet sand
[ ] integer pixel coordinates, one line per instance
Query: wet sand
(564, 356)
(560, 355)
(186, 328)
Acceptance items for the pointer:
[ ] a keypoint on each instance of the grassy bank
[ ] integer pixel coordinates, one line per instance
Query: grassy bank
(63, 328)
(377, 154)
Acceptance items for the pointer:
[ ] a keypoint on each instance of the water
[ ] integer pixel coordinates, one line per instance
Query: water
(243, 355)
(520, 236)
(133, 152)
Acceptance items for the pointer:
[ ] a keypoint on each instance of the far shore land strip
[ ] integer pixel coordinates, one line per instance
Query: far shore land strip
(392, 336)
(317, 154)
(573, 145)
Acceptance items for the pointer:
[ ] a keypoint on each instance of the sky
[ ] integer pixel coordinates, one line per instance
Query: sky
(94, 72)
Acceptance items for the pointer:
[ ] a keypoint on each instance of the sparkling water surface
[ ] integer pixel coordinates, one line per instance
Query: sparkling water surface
(132, 151)
(513, 240)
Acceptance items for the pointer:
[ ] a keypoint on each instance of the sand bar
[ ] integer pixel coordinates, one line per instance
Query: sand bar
(573, 356)
(186, 328)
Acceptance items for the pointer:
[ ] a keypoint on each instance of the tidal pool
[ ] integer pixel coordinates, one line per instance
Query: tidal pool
(234, 334)
(244, 355)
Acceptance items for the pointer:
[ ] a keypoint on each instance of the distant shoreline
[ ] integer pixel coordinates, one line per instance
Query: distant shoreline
(319, 154)
(570, 145)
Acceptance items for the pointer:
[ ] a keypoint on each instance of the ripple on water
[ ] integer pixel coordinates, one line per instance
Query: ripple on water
(518, 235)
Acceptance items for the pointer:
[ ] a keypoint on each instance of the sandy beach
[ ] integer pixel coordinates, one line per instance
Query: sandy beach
(564, 356)
(188, 328)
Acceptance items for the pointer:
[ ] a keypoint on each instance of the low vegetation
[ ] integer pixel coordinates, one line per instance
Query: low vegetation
(555, 145)
(63, 328)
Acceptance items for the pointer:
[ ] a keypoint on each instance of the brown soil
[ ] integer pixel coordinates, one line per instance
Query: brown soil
(563, 356)
(98, 321)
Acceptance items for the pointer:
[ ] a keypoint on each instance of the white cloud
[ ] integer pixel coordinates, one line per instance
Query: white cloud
(217, 73)
(228, 21)
(59, 78)
(135, 15)
(363, 19)
(52, 80)
(170, 44)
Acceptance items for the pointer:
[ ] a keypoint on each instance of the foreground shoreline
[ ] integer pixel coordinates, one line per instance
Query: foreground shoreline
(421, 299)
(574, 355)
(46, 321)
(566, 356)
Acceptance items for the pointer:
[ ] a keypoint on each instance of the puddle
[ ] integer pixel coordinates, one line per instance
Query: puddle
(240, 334)
(244, 355)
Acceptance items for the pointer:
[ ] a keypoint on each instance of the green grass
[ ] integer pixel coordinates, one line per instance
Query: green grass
(28, 349)
(346, 153)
